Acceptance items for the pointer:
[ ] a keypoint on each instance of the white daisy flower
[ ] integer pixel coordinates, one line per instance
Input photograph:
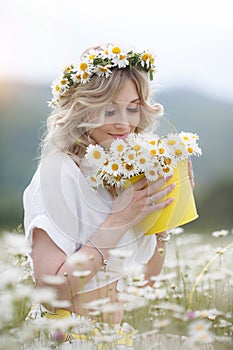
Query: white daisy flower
(53, 103)
(64, 83)
(96, 155)
(167, 170)
(193, 148)
(114, 51)
(103, 71)
(114, 167)
(121, 61)
(91, 55)
(188, 137)
(106, 52)
(76, 77)
(68, 69)
(130, 169)
(221, 233)
(83, 66)
(56, 88)
(179, 152)
(143, 161)
(118, 147)
(151, 174)
(147, 59)
(130, 157)
(85, 77)
(172, 140)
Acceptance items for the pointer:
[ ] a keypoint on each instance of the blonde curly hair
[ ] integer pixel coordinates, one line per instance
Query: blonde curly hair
(82, 108)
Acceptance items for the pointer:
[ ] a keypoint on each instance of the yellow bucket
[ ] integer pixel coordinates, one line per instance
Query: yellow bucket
(181, 211)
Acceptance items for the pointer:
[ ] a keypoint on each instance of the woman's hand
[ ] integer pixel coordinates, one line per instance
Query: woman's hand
(140, 200)
(190, 173)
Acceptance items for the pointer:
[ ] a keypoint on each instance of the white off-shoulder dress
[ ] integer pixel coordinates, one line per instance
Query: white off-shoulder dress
(60, 201)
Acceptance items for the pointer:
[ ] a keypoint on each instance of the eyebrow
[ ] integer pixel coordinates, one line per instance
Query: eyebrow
(135, 100)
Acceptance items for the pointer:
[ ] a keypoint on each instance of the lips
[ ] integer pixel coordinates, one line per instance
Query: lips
(119, 136)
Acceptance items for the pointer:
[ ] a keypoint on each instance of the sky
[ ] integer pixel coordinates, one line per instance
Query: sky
(192, 40)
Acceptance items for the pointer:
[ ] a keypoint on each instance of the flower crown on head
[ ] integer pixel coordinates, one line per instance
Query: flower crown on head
(100, 62)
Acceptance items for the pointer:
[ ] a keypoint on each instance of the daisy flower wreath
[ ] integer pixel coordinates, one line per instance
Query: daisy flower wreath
(146, 154)
(100, 62)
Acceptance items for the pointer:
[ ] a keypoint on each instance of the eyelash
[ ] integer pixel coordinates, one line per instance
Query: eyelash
(130, 110)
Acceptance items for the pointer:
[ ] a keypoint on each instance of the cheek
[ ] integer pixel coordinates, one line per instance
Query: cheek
(135, 120)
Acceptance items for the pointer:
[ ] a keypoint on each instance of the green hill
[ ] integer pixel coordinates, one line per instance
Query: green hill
(24, 110)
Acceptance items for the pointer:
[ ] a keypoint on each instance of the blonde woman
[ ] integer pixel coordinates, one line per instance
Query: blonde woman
(104, 97)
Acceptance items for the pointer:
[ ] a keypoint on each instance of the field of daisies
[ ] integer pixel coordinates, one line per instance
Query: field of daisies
(189, 306)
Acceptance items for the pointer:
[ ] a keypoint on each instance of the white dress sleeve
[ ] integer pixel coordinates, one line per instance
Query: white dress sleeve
(51, 202)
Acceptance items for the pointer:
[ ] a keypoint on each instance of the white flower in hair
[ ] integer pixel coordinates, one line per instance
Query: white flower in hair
(103, 71)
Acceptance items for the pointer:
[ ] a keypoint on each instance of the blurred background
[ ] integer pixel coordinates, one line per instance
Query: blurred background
(193, 43)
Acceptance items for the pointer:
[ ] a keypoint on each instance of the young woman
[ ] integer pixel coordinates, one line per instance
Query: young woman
(104, 97)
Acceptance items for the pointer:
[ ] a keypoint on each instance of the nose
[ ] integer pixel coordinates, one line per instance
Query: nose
(122, 119)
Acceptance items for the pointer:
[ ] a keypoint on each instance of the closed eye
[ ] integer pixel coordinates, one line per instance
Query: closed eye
(133, 110)
(110, 113)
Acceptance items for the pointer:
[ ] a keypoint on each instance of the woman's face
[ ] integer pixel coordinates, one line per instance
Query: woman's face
(122, 116)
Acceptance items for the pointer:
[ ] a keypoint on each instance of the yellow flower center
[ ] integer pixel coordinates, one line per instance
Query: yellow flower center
(142, 160)
(186, 138)
(83, 66)
(115, 167)
(178, 152)
(131, 156)
(152, 172)
(117, 178)
(85, 75)
(63, 82)
(67, 69)
(167, 161)
(116, 50)
(166, 170)
(153, 142)
(57, 87)
(122, 57)
(190, 149)
(91, 57)
(106, 52)
(145, 56)
(171, 142)
(78, 76)
(136, 147)
(161, 150)
(129, 167)
(96, 155)
(93, 179)
(200, 328)
(153, 152)
(102, 69)
(120, 148)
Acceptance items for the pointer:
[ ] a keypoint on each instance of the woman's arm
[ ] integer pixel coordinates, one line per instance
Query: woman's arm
(129, 208)
(155, 264)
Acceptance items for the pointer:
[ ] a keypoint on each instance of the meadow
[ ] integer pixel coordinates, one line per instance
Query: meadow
(189, 306)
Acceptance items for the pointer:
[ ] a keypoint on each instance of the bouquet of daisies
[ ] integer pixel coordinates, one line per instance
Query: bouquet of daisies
(143, 153)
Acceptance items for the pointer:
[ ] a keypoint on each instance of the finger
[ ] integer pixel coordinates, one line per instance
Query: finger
(161, 205)
(157, 196)
(154, 187)
(140, 184)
